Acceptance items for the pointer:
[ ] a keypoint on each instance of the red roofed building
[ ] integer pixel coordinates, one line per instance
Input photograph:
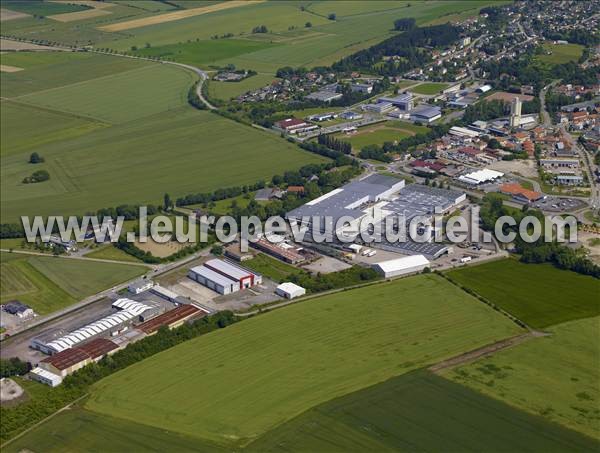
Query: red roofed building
(290, 124)
(295, 189)
(520, 193)
(66, 362)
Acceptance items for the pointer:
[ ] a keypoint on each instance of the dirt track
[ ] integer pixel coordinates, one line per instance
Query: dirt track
(484, 351)
(177, 15)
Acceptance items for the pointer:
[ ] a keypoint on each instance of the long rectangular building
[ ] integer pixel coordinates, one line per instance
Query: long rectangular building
(223, 276)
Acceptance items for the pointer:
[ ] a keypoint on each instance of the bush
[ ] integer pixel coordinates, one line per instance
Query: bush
(35, 158)
(38, 176)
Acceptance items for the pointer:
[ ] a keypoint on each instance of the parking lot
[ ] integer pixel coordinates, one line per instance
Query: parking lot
(555, 204)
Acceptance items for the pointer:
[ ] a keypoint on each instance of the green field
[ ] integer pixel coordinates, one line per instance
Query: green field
(538, 294)
(110, 252)
(47, 70)
(39, 8)
(200, 53)
(429, 88)
(419, 411)
(18, 135)
(560, 53)
(378, 134)
(229, 90)
(48, 283)
(177, 151)
(120, 97)
(270, 267)
(266, 370)
(77, 431)
(555, 376)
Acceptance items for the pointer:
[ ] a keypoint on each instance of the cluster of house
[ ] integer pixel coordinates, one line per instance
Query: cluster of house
(294, 85)
(581, 119)
(230, 76)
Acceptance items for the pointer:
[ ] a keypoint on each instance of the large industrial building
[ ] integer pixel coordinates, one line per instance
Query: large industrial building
(223, 276)
(56, 342)
(380, 197)
(401, 266)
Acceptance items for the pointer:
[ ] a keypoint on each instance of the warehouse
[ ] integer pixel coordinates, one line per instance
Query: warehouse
(402, 266)
(171, 319)
(45, 377)
(402, 101)
(66, 362)
(426, 114)
(290, 290)
(111, 324)
(481, 176)
(223, 276)
(139, 286)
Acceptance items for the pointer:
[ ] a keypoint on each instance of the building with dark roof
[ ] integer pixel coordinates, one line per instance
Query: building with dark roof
(66, 362)
(171, 319)
(18, 308)
(98, 348)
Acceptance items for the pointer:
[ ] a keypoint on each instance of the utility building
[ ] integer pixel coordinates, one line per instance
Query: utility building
(401, 266)
(223, 276)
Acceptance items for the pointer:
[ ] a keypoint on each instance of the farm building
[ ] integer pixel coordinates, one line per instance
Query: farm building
(139, 286)
(401, 266)
(18, 308)
(426, 114)
(290, 290)
(171, 319)
(223, 276)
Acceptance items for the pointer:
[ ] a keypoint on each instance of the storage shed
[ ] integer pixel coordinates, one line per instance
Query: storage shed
(401, 266)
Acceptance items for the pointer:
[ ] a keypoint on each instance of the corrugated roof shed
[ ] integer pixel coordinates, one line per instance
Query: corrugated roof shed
(67, 358)
(177, 314)
(98, 347)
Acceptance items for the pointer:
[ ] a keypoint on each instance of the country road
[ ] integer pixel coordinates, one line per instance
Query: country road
(76, 257)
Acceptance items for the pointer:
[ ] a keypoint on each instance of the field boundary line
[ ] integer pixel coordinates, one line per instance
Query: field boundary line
(56, 111)
(81, 82)
(82, 258)
(44, 420)
(484, 351)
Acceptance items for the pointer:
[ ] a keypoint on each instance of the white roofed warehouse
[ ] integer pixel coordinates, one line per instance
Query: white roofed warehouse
(223, 276)
(290, 290)
(401, 266)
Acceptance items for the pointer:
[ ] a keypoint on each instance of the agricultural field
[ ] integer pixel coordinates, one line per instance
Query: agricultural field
(378, 134)
(538, 294)
(270, 267)
(121, 97)
(38, 8)
(18, 135)
(202, 53)
(230, 90)
(48, 283)
(419, 411)
(247, 379)
(47, 70)
(571, 356)
(429, 88)
(560, 53)
(181, 151)
(110, 252)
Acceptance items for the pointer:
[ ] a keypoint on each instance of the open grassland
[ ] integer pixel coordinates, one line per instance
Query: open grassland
(120, 97)
(270, 267)
(153, 6)
(49, 283)
(201, 53)
(25, 127)
(555, 376)
(78, 430)
(39, 8)
(177, 15)
(47, 70)
(233, 385)
(429, 88)
(560, 53)
(419, 411)
(178, 151)
(110, 252)
(538, 294)
(378, 134)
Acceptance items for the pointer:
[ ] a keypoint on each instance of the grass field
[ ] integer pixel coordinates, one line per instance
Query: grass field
(560, 53)
(18, 135)
(40, 8)
(47, 70)
(201, 53)
(534, 293)
(270, 267)
(419, 411)
(378, 134)
(48, 284)
(177, 151)
(78, 430)
(110, 252)
(555, 376)
(266, 370)
(429, 88)
(229, 90)
(120, 97)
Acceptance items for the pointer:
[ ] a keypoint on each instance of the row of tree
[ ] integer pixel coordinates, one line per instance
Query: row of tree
(333, 143)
